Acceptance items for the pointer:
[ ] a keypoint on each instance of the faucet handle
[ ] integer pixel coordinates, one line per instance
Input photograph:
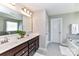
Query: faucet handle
(5, 40)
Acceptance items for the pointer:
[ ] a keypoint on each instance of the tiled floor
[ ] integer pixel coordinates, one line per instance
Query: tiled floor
(55, 49)
(37, 54)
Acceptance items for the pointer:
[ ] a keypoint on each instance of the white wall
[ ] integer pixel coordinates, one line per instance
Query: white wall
(70, 18)
(27, 24)
(40, 25)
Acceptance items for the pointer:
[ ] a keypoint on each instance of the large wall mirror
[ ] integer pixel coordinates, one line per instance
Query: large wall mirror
(10, 21)
(9, 26)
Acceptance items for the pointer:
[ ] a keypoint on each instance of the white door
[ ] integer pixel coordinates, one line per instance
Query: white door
(56, 26)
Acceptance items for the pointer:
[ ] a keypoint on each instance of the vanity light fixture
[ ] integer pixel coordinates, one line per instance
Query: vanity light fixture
(26, 11)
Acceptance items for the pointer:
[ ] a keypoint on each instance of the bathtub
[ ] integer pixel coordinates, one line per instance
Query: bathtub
(74, 46)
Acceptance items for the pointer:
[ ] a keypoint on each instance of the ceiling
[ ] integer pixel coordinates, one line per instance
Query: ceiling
(53, 8)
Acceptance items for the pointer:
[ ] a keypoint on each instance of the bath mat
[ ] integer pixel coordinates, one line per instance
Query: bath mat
(65, 51)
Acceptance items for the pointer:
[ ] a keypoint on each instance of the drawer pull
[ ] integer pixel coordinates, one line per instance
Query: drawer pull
(23, 52)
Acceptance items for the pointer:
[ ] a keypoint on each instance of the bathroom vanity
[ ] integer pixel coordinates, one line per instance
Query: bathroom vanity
(22, 47)
(10, 45)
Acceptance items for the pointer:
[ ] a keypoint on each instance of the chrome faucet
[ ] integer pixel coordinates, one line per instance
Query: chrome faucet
(4, 41)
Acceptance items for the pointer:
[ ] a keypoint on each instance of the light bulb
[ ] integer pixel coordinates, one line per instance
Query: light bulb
(13, 4)
(25, 10)
(28, 11)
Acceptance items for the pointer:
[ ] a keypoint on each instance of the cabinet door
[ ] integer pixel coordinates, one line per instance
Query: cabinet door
(7, 53)
(22, 52)
(31, 41)
(26, 53)
(32, 48)
(19, 48)
(32, 52)
(37, 44)
(14, 50)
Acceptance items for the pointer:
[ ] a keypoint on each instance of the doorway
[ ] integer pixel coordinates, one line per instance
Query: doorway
(56, 30)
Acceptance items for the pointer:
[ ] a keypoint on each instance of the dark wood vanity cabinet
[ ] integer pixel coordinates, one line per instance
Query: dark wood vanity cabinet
(26, 49)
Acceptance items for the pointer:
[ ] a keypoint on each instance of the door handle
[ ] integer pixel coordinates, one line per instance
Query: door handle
(59, 32)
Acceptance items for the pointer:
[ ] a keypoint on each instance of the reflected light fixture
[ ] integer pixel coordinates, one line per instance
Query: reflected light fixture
(13, 4)
(30, 13)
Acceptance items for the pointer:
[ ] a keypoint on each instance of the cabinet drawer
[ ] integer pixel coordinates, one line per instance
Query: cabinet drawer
(14, 50)
(37, 38)
(26, 53)
(32, 52)
(18, 48)
(7, 53)
(20, 53)
(32, 48)
(37, 44)
(31, 45)
(31, 41)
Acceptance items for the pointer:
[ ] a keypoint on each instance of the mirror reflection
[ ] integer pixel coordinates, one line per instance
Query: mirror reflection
(9, 25)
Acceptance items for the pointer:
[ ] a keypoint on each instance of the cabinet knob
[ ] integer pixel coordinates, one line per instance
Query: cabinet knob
(23, 52)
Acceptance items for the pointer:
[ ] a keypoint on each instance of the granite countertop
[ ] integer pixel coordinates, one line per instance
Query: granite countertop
(9, 45)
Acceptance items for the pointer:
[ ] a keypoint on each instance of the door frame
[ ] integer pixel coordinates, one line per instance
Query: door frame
(61, 30)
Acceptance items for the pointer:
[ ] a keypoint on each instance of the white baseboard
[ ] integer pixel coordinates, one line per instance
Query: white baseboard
(48, 42)
(53, 42)
(43, 49)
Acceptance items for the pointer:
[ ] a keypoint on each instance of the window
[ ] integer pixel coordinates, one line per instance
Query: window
(74, 28)
(11, 26)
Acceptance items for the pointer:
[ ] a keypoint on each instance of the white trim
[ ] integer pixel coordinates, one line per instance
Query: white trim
(61, 30)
